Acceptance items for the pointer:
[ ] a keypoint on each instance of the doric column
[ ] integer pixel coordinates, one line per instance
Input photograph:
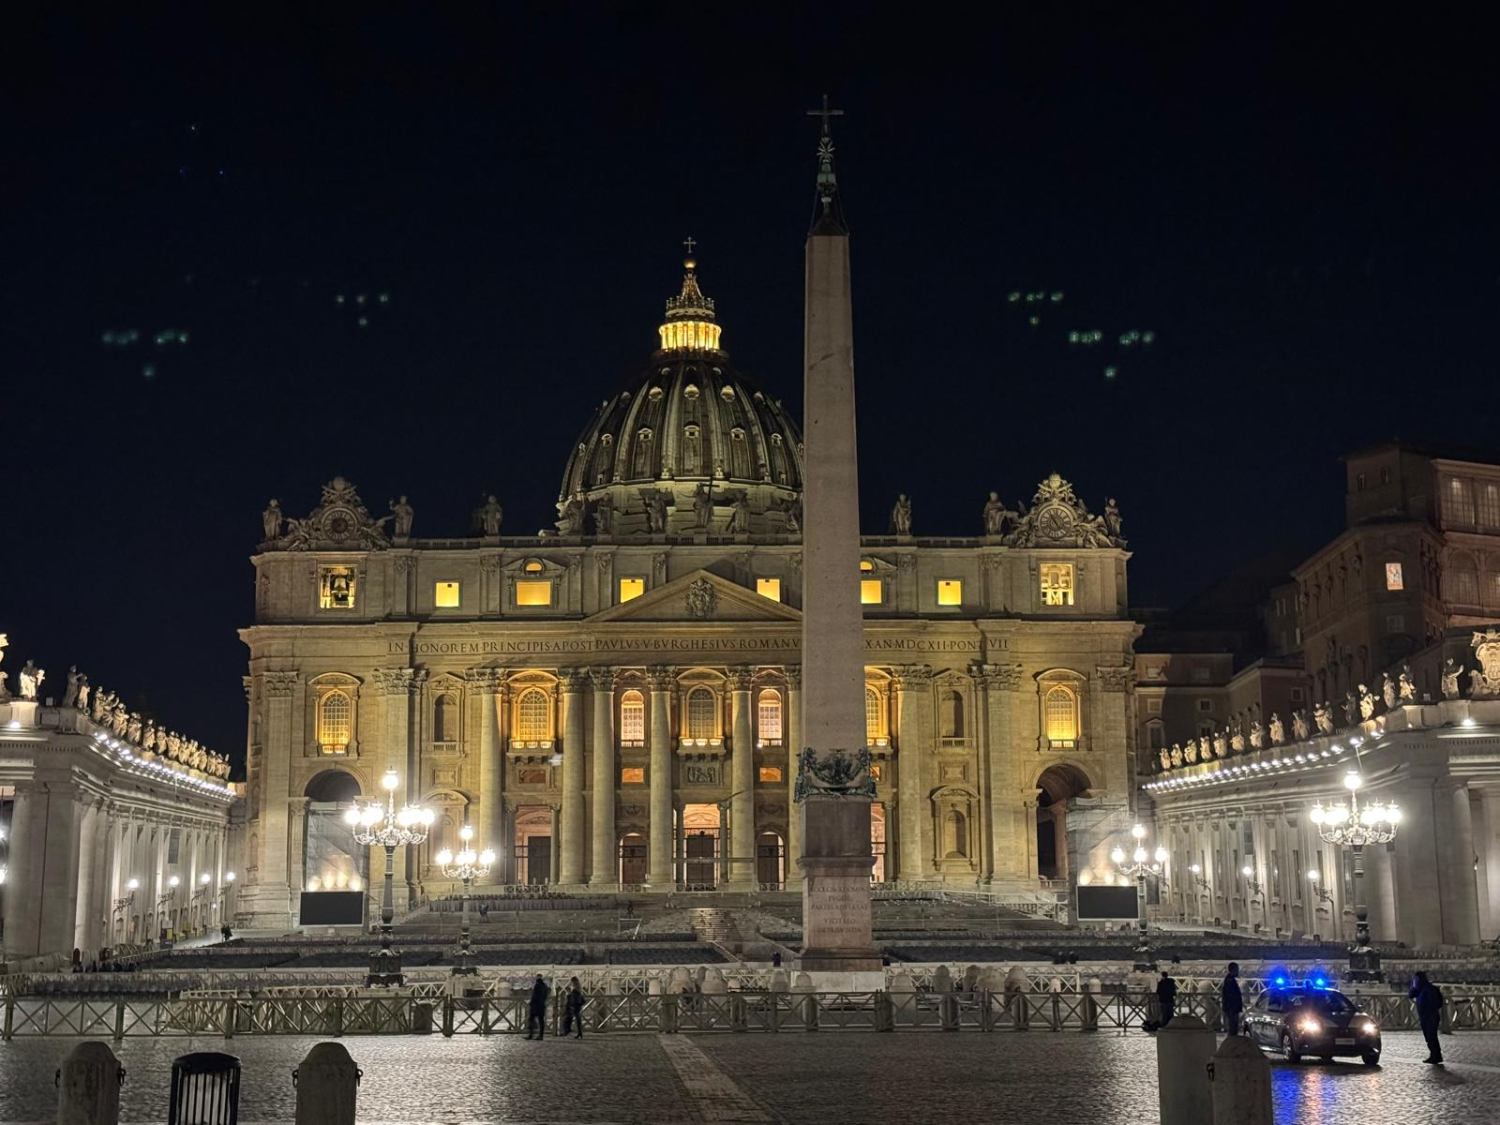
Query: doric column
(659, 867)
(792, 728)
(574, 741)
(83, 919)
(19, 926)
(913, 741)
(486, 689)
(741, 783)
(1460, 893)
(606, 865)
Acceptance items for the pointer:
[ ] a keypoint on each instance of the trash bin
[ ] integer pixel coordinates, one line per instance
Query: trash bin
(205, 1089)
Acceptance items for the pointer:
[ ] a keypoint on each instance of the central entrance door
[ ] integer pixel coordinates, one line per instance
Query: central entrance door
(633, 859)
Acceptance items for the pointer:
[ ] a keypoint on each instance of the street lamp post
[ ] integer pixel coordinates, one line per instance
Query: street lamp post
(224, 897)
(125, 901)
(466, 866)
(1202, 885)
(200, 896)
(165, 899)
(390, 829)
(1352, 827)
(1321, 893)
(1141, 866)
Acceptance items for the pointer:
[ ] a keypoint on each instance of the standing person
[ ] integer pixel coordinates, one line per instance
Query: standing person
(1429, 1002)
(1166, 997)
(1231, 1000)
(573, 1009)
(536, 1012)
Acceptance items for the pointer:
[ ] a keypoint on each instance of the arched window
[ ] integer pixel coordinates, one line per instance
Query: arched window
(445, 718)
(768, 716)
(702, 710)
(874, 716)
(642, 467)
(335, 722)
(632, 718)
(1461, 581)
(1061, 709)
(533, 716)
(951, 714)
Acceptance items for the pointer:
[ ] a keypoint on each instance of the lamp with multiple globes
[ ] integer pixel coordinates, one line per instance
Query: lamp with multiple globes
(1354, 827)
(1200, 881)
(389, 828)
(1141, 865)
(467, 867)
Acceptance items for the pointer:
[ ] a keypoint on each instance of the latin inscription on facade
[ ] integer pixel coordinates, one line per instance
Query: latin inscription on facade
(583, 645)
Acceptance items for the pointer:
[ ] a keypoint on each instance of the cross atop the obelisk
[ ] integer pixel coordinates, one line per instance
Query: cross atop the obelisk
(825, 113)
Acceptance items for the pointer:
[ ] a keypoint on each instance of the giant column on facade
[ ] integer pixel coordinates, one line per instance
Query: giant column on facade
(606, 864)
(268, 901)
(793, 734)
(486, 689)
(914, 741)
(570, 854)
(741, 783)
(834, 783)
(660, 870)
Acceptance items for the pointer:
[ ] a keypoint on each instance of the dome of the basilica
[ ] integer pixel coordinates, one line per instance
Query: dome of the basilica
(690, 443)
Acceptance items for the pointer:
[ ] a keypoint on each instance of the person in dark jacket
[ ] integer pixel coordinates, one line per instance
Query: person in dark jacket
(1166, 997)
(1231, 1000)
(1429, 1002)
(573, 1009)
(536, 1012)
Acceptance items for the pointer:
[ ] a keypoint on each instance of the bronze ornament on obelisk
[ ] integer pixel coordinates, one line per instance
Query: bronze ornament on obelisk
(834, 785)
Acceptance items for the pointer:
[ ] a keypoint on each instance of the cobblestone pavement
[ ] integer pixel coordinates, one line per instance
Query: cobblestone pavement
(895, 1079)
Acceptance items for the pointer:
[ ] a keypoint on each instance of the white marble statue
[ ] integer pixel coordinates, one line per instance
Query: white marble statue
(1388, 690)
(1323, 716)
(901, 516)
(270, 521)
(1451, 673)
(1405, 687)
(1278, 731)
(31, 680)
(1366, 703)
(404, 514)
(1257, 735)
(490, 516)
(739, 516)
(83, 692)
(1300, 728)
(995, 515)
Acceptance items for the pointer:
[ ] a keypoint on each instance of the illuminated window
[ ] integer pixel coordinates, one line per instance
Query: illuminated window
(875, 773)
(866, 566)
(950, 591)
(769, 588)
(632, 719)
(1060, 707)
(874, 716)
(533, 716)
(631, 588)
(1057, 583)
(1393, 579)
(769, 775)
(336, 587)
(702, 713)
(533, 593)
(335, 722)
(1489, 505)
(533, 567)
(1458, 502)
(633, 775)
(445, 595)
(768, 716)
(871, 591)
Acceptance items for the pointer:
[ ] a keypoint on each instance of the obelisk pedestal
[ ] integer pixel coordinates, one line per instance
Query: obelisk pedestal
(834, 785)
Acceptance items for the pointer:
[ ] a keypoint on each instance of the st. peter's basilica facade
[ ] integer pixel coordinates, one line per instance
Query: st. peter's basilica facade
(618, 701)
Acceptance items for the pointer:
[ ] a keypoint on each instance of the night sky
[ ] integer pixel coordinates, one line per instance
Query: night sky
(1302, 216)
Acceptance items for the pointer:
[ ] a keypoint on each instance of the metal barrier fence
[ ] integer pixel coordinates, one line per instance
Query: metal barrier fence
(412, 1014)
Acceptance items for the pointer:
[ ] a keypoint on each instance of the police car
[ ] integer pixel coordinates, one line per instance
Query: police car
(1310, 1018)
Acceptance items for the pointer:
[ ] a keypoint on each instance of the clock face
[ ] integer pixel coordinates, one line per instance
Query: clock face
(1054, 523)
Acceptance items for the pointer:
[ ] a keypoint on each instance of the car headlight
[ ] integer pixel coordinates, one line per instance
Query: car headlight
(1310, 1026)
(1369, 1028)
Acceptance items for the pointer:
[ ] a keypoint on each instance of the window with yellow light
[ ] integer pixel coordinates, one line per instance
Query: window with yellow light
(533, 592)
(770, 774)
(445, 595)
(950, 591)
(336, 587)
(871, 591)
(1057, 583)
(631, 588)
(769, 588)
(633, 775)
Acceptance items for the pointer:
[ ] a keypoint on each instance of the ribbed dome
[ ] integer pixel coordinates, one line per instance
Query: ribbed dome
(689, 419)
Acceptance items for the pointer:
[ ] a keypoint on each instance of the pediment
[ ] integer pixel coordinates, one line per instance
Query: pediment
(699, 596)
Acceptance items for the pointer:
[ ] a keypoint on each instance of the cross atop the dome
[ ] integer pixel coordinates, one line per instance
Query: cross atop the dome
(825, 113)
(690, 242)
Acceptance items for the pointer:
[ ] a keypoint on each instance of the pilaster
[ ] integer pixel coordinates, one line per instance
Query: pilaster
(793, 723)
(1004, 813)
(660, 872)
(488, 692)
(574, 740)
(742, 783)
(267, 902)
(605, 867)
(914, 742)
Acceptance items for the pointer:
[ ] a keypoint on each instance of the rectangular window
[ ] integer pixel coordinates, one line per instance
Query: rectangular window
(769, 588)
(1359, 482)
(871, 591)
(1393, 577)
(1296, 695)
(1153, 706)
(769, 775)
(1458, 502)
(1395, 623)
(533, 592)
(1057, 583)
(445, 595)
(336, 587)
(1205, 704)
(1158, 736)
(1200, 675)
(950, 591)
(631, 588)
(174, 844)
(633, 775)
(1489, 505)
(1385, 475)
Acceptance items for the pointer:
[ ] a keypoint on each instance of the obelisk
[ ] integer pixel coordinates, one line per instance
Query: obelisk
(834, 785)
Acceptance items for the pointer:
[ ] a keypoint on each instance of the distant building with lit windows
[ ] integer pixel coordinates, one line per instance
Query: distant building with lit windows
(617, 700)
